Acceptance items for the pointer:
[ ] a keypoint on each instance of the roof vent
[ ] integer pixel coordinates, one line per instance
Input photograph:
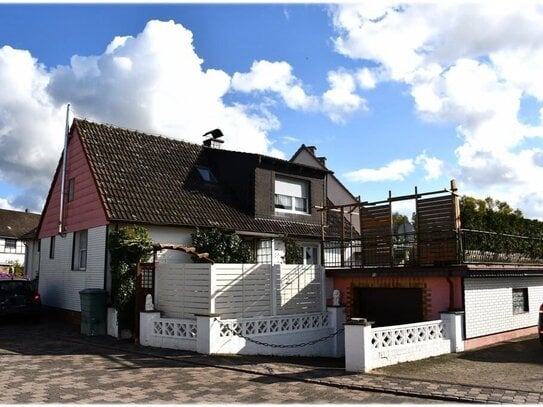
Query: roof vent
(213, 141)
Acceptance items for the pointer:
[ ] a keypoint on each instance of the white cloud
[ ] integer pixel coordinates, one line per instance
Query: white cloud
(31, 128)
(472, 65)
(152, 82)
(341, 100)
(275, 77)
(432, 166)
(396, 170)
(155, 82)
(367, 78)
(338, 102)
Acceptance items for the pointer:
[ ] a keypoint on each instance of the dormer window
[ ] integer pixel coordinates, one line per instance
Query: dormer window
(291, 195)
(206, 174)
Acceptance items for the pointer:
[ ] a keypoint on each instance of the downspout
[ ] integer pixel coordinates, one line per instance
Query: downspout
(63, 176)
(451, 292)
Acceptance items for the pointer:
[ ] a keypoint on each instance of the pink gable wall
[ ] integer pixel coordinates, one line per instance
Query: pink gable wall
(86, 210)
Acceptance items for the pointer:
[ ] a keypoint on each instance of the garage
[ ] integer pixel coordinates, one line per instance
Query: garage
(389, 306)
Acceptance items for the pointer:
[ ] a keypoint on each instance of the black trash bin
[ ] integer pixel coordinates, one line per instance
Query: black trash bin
(93, 311)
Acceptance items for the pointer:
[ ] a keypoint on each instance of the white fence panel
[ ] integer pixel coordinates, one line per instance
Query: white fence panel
(242, 290)
(239, 290)
(183, 289)
(300, 289)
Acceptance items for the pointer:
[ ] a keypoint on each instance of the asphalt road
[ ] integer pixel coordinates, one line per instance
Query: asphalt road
(39, 366)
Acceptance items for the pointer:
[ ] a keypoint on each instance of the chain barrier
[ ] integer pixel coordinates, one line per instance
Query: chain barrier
(274, 345)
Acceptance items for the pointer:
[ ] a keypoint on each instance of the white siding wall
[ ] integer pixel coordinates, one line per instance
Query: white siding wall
(59, 285)
(172, 235)
(489, 304)
(32, 259)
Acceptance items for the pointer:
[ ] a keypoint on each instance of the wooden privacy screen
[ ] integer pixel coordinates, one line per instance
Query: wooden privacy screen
(437, 224)
(376, 224)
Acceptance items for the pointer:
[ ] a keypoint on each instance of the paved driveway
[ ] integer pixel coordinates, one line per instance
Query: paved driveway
(512, 365)
(51, 363)
(38, 366)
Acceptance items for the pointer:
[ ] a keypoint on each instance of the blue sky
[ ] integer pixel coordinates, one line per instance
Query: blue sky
(394, 96)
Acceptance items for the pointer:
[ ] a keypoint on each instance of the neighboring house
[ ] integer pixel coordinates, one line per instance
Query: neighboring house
(18, 244)
(336, 192)
(118, 177)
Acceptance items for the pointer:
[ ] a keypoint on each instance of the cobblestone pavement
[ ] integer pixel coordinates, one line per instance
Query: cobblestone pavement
(43, 366)
(53, 363)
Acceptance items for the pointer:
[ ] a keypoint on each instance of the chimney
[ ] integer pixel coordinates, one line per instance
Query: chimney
(322, 160)
(312, 149)
(213, 141)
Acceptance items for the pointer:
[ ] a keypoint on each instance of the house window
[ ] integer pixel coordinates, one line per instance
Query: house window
(520, 300)
(291, 195)
(71, 188)
(52, 247)
(264, 252)
(10, 245)
(79, 253)
(310, 255)
(206, 174)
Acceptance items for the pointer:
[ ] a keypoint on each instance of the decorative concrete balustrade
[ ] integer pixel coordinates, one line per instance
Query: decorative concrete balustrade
(312, 334)
(367, 348)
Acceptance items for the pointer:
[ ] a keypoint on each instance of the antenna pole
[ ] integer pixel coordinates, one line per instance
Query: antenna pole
(63, 176)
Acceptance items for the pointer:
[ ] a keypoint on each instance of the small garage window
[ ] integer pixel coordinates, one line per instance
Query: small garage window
(520, 300)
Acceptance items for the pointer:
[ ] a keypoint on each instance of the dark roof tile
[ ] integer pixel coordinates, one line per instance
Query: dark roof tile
(18, 225)
(152, 179)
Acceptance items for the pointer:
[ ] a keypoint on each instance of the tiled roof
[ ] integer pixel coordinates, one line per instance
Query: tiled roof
(18, 225)
(153, 180)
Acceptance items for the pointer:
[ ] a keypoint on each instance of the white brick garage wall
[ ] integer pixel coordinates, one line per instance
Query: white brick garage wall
(488, 304)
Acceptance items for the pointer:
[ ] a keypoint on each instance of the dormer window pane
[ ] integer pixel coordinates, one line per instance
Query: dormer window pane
(283, 201)
(291, 195)
(300, 204)
(206, 174)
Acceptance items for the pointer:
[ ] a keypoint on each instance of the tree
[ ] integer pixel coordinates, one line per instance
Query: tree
(128, 246)
(222, 247)
(397, 220)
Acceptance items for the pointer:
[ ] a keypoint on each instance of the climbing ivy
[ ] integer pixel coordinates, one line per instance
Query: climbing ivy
(293, 252)
(222, 247)
(128, 246)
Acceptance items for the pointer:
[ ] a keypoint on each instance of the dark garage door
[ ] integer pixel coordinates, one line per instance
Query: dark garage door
(389, 306)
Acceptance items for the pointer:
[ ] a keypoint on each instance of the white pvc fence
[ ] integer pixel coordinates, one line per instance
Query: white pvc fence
(368, 348)
(239, 290)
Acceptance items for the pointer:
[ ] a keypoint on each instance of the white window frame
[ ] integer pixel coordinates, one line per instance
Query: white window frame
(292, 192)
(79, 253)
(12, 242)
(314, 249)
(520, 294)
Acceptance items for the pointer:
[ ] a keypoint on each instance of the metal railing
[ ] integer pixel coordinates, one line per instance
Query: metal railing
(386, 250)
(463, 246)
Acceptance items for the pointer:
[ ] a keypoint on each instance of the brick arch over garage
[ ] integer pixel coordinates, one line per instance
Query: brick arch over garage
(438, 293)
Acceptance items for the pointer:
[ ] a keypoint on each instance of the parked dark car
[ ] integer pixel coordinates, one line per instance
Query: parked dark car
(540, 325)
(18, 297)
